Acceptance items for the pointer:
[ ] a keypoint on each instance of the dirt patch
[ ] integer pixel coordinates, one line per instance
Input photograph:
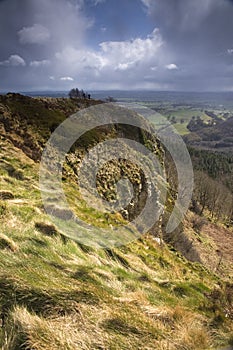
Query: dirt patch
(223, 239)
(214, 244)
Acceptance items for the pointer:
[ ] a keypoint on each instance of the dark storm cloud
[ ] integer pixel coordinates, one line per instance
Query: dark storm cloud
(205, 24)
(199, 34)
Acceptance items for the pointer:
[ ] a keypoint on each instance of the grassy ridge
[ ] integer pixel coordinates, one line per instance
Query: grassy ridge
(58, 294)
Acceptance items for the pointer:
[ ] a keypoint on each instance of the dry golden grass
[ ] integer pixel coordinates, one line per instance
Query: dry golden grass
(33, 332)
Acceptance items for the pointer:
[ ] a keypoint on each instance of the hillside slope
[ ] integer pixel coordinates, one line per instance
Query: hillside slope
(58, 294)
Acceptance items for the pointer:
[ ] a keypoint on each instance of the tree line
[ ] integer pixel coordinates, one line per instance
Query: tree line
(213, 192)
(76, 93)
(213, 196)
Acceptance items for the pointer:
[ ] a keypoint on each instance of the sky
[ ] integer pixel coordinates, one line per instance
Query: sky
(173, 45)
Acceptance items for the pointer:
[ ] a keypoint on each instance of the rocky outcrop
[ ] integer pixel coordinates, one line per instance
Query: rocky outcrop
(28, 123)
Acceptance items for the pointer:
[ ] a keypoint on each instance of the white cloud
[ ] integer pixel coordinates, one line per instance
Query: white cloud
(14, 61)
(76, 60)
(149, 6)
(171, 66)
(37, 34)
(124, 66)
(103, 29)
(147, 3)
(112, 56)
(125, 54)
(66, 79)
(97, 2)
(230, 51)
(37, 64)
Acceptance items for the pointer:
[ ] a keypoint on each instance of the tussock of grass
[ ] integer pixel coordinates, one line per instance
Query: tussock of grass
(3, 209)
(28, 331)
(5, 195)
(7, 243)
(119, 326)
(111, 254)
(46, 229)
